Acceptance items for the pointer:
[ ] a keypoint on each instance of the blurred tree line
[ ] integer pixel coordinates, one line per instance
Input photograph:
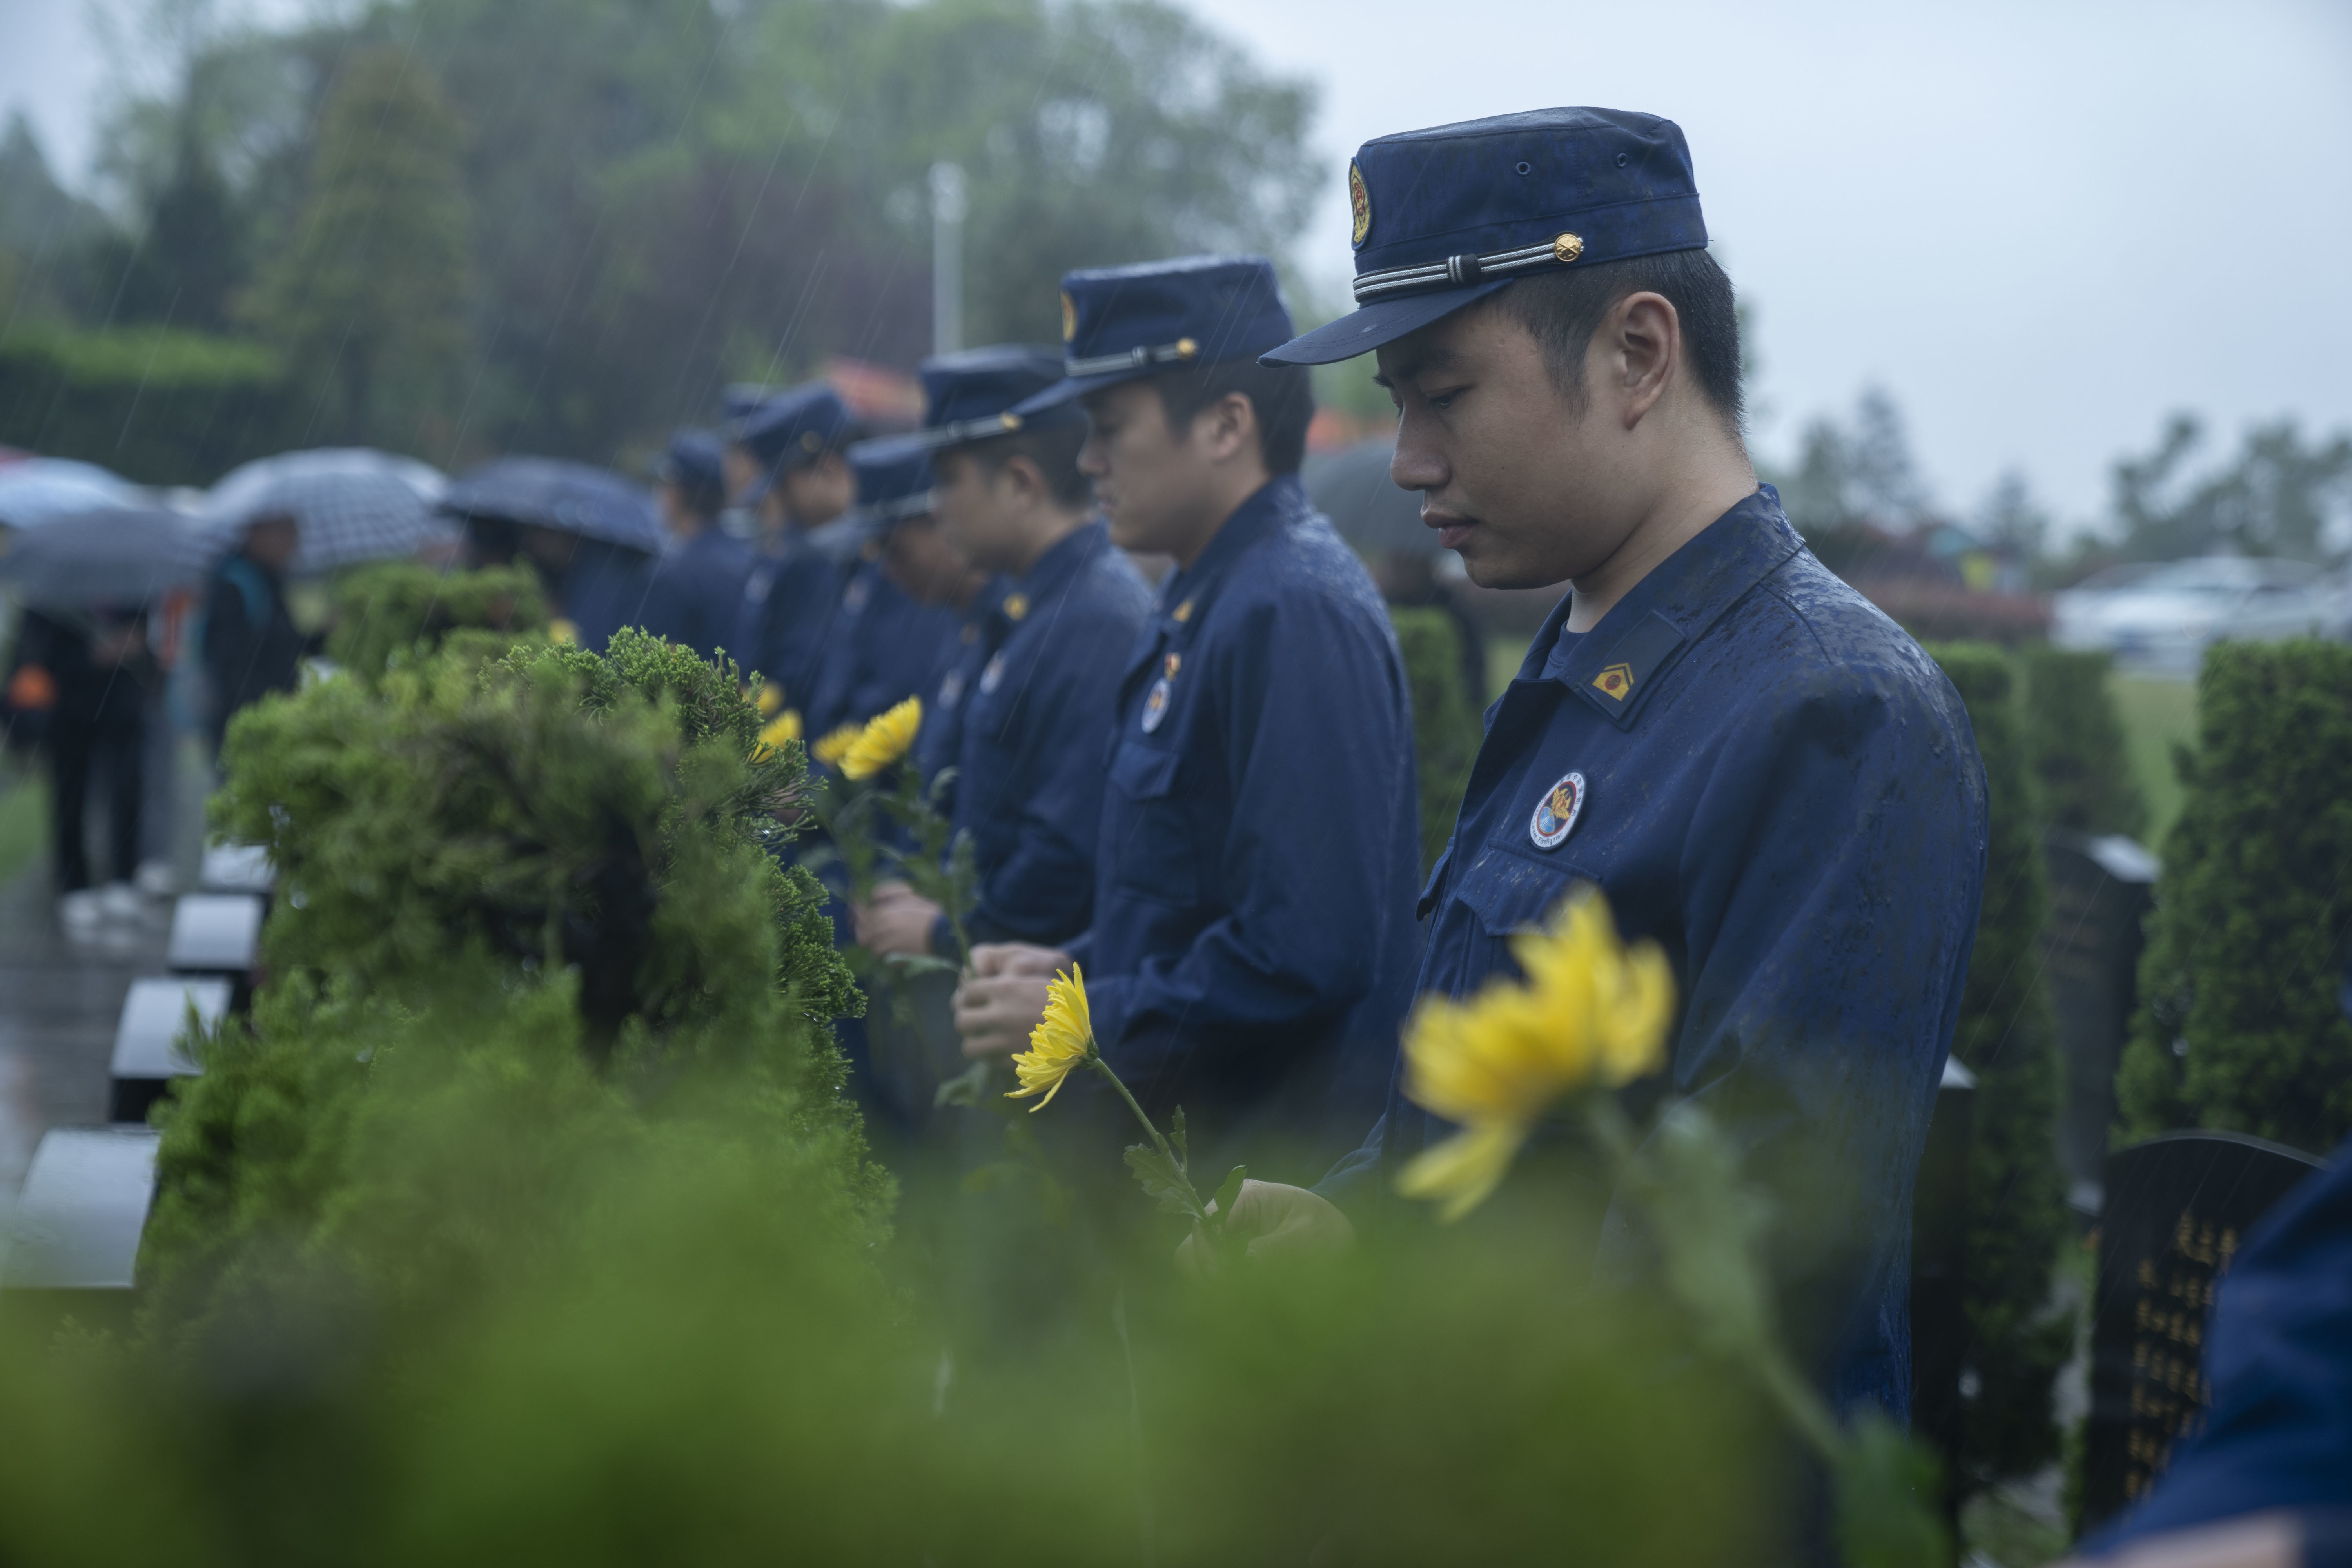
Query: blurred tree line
(561, 226)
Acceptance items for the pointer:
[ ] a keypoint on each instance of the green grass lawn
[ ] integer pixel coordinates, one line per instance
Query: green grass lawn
(2155, 715)
(23, 820)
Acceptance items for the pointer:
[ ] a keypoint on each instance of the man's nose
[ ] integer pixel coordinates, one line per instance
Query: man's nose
(1416, 465)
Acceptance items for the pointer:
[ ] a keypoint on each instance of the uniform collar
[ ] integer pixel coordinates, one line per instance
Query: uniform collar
(1616, 665)
(1063, 559)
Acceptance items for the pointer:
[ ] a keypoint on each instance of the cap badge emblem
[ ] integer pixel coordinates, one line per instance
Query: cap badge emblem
(1069, 317)
(1615, 681)
(1015, 606)
(1556, 812)
(1360, 201)
(1566, 247)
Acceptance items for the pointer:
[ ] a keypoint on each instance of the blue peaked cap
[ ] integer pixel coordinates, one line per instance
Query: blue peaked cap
(891, 488)
(794, 428)
(1448, 215)
(692, 464)
(969, 396)
(1120, 323)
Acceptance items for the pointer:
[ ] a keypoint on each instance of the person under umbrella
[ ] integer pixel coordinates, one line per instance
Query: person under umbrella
(251, 646)
(587, 532)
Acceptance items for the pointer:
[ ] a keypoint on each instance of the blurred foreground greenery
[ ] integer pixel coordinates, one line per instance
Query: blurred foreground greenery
(24, 818)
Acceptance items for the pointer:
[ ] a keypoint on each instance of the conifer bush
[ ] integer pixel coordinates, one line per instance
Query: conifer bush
(2075, 745)
(2239, 1025)
(393, 612)
(2017, 1218)
(1447, 730)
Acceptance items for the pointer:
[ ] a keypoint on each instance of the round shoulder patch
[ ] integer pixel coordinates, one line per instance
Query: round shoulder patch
(1556, 812)
(1360, 201)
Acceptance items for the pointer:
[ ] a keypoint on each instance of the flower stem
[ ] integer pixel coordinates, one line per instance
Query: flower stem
(1095, 1060)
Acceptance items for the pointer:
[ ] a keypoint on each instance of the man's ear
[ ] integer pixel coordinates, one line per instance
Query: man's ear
(1640, 346)
(1028, 481)
(1227, 426)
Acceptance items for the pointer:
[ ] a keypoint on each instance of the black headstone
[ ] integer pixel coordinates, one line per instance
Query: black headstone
(2100, 892)
(1939, 1230)
(2177, 1209)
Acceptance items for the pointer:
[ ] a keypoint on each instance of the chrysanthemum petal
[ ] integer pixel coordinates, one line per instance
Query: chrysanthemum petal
(1465, 1169)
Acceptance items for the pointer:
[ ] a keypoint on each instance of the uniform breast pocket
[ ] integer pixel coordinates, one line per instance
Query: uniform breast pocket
(1509, 893)
(1149, 840)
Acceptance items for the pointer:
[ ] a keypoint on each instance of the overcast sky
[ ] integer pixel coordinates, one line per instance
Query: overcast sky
(2040, 226)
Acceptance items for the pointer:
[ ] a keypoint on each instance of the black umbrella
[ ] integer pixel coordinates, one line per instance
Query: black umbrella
(570, 498)
(1353, 489)
(119, 555)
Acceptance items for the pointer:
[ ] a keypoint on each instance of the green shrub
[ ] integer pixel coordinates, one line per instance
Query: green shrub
(393, 612)
(2075, 745)
(1447, 730)
(2017, 1216)
(156, 405)
(2239, 1025)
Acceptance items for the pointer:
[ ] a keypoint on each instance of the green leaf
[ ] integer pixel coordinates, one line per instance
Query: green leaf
(1887, 1485)
(1176, 1138)
(1227, 1190)
(921, 963)
(1158, 1177)
(965, 1089)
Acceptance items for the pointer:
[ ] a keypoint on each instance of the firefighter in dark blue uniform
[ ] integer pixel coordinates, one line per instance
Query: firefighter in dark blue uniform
(786, 464)
(1023, 714)
(1253, 922)
(693, 590)
(1760, 771)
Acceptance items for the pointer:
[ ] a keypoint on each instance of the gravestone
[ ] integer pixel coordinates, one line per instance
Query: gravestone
(2177, 1209)
(70, 1243)
(2100, 892)
(215, 933)
(147, 1056)
(235, 868)
(1939, 1231)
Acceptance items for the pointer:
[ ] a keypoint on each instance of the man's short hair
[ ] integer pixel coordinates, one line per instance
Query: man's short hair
(1562, 310)
(1053, 448)
(1283, 394)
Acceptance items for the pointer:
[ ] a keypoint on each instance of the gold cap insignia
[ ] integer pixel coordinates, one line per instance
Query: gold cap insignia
(1009, 420)
(1566, 247)
(1359, 200)
(1069, 317)
(1015, 606)
(810, 440)
(1615, 681)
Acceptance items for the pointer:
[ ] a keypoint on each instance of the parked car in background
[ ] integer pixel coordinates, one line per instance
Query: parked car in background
(2160, 617)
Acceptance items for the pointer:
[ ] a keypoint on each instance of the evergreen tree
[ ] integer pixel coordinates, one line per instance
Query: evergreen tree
(2239, 1026)
(2075, 745)
(2017, 1218)
(368, 294)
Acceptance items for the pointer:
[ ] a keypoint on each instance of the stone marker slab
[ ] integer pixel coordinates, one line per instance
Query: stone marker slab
(147, 1056)
(2101, 888)
(2178, 1208)
(215, 933)
(236, 869)
(76, 1225)
(1939, 1228)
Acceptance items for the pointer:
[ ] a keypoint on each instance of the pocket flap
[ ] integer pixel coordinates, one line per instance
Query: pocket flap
(1510, 893)
(1429, 889)
(1142, 772)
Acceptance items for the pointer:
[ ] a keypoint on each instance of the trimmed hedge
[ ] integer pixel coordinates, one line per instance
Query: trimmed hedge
(2017, 1216)
(399, 613)
(2240, 1027)
(2075, 745)
(154, 405)
(1446, 731)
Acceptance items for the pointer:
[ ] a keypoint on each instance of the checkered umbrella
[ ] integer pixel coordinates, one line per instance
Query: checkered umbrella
(121, 556)
(570, 498)
(351, 503)
(36, 492)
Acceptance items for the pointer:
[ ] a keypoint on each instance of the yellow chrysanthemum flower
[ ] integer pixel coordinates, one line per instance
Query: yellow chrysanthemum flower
(1063, 1041)
(784, 726)
(1591, 1012)
(836, 745)
(771, 699)
(884, 741)
(559, 630)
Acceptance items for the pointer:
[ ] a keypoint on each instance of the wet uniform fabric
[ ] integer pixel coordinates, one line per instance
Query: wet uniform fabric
(786, 616)
(884, 647)
(1775, 782)
(692, 592)
(1022, 717)
(1253, 922)
(601, 585)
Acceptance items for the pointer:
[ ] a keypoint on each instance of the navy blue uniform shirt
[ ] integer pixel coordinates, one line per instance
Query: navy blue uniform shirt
(692, 591)
(1772, 780)
(1253, 924)
(883, 648)
(786, 614)
(603, 584)
(1022, 717)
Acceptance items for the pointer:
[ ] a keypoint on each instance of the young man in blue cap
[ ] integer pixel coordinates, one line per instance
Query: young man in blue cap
(694, 590)
(786, 461)
(1253, 920)
(1761, 771)
(1023, 714)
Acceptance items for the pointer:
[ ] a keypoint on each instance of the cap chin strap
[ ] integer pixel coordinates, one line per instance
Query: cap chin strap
(1141, 357)
(1455, 271)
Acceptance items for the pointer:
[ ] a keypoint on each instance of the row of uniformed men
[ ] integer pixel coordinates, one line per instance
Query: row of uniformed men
(1207, 797)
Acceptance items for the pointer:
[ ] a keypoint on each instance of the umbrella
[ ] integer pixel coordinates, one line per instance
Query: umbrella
(39, 490)
(351, 503)
(570, 498)
(1352, 487)
(119, 555)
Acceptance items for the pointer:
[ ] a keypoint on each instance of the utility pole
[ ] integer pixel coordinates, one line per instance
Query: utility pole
(948, 203)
